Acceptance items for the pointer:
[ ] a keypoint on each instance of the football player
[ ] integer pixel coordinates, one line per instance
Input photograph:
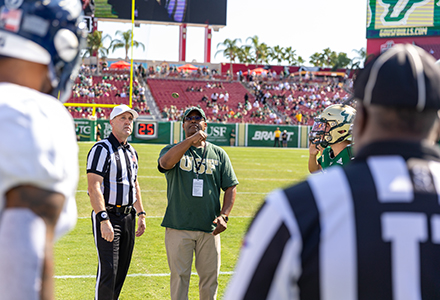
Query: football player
(331, 136)
(40, 43)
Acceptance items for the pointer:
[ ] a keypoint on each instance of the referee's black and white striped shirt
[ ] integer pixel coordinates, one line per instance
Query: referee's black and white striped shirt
(367, 231)
(118, 165)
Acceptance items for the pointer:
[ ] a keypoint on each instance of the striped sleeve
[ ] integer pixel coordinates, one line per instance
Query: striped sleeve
(97, 159)
(270, 257)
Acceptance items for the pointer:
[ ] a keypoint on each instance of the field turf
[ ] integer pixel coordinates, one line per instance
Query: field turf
(259, 171)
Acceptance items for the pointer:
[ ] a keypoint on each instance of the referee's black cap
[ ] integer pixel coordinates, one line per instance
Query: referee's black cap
(403, 76)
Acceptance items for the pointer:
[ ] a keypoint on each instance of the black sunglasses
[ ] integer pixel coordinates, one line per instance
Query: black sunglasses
(195, 118)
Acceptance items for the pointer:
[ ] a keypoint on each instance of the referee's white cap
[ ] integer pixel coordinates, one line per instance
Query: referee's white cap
(120, 109)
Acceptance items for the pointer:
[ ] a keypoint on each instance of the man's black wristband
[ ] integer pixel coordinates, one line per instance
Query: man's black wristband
(141, 213)
(102, 216)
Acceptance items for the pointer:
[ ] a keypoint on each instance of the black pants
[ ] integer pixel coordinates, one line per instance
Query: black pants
(277, 142)
(113, 257)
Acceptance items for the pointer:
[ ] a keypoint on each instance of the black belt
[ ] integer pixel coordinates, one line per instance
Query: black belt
(117, 209)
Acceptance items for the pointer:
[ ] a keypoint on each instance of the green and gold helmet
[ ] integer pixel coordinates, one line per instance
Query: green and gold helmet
(334, 125)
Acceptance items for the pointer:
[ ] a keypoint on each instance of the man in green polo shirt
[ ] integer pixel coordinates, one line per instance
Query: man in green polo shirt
(195, 170)
(331, 136)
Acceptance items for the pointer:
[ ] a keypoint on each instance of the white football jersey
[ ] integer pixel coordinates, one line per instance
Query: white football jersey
(38, 147)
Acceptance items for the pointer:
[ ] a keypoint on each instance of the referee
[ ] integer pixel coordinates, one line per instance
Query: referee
(369, 230)
(115, 196)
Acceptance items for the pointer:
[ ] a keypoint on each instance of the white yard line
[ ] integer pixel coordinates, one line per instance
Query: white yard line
(160, 217)
(129, 275)
(164, 191)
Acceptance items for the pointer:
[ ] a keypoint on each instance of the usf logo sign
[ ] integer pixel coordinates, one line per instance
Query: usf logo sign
(396, 13)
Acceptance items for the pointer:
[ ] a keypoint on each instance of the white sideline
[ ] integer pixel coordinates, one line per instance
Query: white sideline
(129, 275)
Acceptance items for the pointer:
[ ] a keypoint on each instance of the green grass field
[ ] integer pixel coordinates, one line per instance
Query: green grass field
(259, 170)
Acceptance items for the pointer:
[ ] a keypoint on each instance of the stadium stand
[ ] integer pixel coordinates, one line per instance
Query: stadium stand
(110, 88)
(191, 93)
(292, 100)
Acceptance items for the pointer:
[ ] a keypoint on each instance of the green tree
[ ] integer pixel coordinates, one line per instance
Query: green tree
(95, 45)
(340, 61)
(276, 53)
(290, 56)
(125, 42)
(317, 59)
(359, 60)
(329, 57)
(231, 51)
(260, 50)
(264, 53)
(244, 54)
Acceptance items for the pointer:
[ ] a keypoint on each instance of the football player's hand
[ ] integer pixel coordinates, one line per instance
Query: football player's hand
(314, 149)
(107, 232)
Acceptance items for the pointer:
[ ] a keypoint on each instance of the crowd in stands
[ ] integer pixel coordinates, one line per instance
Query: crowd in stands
(297, 102)
(285, 102)
(288, 100)
(222, 101)
(105, 89)
(165, 70)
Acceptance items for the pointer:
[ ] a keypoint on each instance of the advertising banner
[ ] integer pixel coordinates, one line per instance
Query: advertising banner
(402, 18)
(83, 129)
(218, 133)
(264, 135)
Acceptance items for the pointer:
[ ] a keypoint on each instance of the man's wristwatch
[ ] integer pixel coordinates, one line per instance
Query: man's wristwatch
(102, 216)
(141, 213)
(225, 217)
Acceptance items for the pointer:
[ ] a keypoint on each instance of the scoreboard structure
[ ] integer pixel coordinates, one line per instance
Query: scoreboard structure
(391, 22)
(210, 14)
(167, 12)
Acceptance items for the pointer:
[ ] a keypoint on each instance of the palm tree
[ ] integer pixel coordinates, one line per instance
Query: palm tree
(290, 56)
(329, 57)
(341, 61)
(260, 50)
(360, 58)
(244, 54)
(125, 42)
(95, 45)
(317, 59)
(230, 51)
(357, 62)
(300, 60)
(276, 53)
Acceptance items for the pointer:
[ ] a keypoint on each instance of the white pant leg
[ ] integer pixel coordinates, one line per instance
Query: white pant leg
(22, 245)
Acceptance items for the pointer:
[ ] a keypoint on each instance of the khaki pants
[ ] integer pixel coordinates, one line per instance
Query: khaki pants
(180, 246)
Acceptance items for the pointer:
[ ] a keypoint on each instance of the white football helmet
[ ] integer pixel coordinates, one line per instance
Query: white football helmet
(334, 125)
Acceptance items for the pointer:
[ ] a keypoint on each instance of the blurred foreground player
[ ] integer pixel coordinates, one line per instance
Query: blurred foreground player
(331, 135)
(39, 54)
(370, 230)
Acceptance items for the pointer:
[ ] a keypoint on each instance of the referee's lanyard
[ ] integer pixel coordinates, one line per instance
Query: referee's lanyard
(197, 188)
